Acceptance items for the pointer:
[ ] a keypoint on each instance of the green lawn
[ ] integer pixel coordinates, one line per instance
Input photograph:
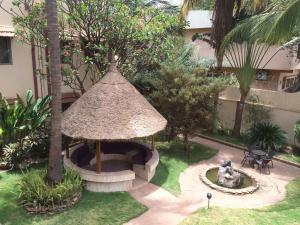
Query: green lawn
(293, 158)
(286, 212)
(173, 161)
(94, 208)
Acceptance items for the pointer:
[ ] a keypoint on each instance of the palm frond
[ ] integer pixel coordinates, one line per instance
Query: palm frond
(285, 22)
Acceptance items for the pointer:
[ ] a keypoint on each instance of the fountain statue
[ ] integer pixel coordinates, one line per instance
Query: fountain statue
(228, 177)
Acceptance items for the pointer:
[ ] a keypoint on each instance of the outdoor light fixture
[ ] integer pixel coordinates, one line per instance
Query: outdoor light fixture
(209, 196)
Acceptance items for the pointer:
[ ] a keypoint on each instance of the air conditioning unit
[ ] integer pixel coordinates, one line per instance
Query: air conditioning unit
(262, 75)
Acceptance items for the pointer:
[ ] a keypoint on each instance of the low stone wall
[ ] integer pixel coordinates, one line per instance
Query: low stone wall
(114, 181)
(285, 108)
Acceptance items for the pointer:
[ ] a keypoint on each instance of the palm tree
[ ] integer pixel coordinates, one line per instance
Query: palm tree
(225, 13)
(279, 23)
(55, 159)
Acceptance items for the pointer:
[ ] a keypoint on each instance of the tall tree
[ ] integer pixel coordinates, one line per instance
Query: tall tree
(246, 45)
(224, 15)
(55, 159)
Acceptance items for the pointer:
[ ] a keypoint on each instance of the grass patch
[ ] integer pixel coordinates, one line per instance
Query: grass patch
(94, 208)
(295, 157)
(285, 212)
(174, 160)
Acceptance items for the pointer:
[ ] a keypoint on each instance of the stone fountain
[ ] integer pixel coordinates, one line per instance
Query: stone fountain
(228, 177)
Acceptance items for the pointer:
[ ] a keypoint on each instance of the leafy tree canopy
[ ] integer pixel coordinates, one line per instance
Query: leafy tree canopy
(139, 32)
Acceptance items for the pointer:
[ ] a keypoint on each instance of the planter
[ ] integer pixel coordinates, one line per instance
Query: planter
(66, 204)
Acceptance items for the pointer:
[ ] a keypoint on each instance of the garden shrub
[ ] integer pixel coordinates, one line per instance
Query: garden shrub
(185, 93)
(297, 130)
(37, 196)
(269, 136)
(27, 150)
(22, 118)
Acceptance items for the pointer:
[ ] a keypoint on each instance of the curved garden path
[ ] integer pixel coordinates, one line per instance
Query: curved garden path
(166, 209)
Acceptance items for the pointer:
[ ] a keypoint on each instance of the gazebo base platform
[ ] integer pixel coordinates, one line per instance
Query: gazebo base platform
(118, 171)
(109, 187)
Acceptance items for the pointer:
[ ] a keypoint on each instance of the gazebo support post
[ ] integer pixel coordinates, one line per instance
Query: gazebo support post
(152, 143)
(98, 157)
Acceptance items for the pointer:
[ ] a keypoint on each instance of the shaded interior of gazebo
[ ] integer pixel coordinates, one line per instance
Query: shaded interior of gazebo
(123, 154)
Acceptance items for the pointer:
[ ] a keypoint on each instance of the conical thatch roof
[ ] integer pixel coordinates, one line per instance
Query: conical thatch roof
(112, 110)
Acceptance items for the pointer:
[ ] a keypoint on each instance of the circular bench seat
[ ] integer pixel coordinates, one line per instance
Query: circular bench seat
(141, 160)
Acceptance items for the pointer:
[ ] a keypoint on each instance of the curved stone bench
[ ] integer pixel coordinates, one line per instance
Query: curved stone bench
(147, 171)
(114, 181)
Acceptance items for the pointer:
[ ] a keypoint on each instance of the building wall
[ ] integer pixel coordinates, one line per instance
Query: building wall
(5, 18)
(285, 108)
(270, 84)
(17, 77)
(188, 34)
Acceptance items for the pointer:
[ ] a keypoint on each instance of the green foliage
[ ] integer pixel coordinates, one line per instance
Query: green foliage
(34, 191)
(279, 23)
(25, 151)
(184, 94)
(22, 118)
(256, 112)
(93, 209)
(297, 130)
(206, 5)
(34, 22)
(140, 35)
(269, 136)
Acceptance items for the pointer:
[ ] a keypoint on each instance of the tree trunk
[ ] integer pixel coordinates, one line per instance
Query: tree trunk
(33, 59)
(55, 158)
(186, 142)
(222, 24)
(215, 113)
(47, 67)
(239, 115)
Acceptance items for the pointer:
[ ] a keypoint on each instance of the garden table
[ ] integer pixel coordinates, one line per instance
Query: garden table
(259, 153)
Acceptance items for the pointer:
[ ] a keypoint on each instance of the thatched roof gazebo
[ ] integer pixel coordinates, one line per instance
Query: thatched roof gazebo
(111, 110)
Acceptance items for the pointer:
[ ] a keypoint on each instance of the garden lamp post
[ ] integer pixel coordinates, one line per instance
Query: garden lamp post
(209, 196)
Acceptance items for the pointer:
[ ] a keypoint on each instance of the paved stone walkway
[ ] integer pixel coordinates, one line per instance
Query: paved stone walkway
(166, 209)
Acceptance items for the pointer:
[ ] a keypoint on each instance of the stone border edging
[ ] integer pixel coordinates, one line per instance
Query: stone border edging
(242, 191)
(66, 204)
(244, 148)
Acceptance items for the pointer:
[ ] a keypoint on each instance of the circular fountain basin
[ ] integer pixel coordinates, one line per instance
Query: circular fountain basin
(210, 177)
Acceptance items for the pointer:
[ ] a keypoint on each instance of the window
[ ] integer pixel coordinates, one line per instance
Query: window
(288, 81)
(5, 50)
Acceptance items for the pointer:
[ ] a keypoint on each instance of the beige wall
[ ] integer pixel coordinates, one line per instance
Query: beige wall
(5, 18)
(270, 84)
(285, 108)
(188, 34)
(281, 61)
(17, 78)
